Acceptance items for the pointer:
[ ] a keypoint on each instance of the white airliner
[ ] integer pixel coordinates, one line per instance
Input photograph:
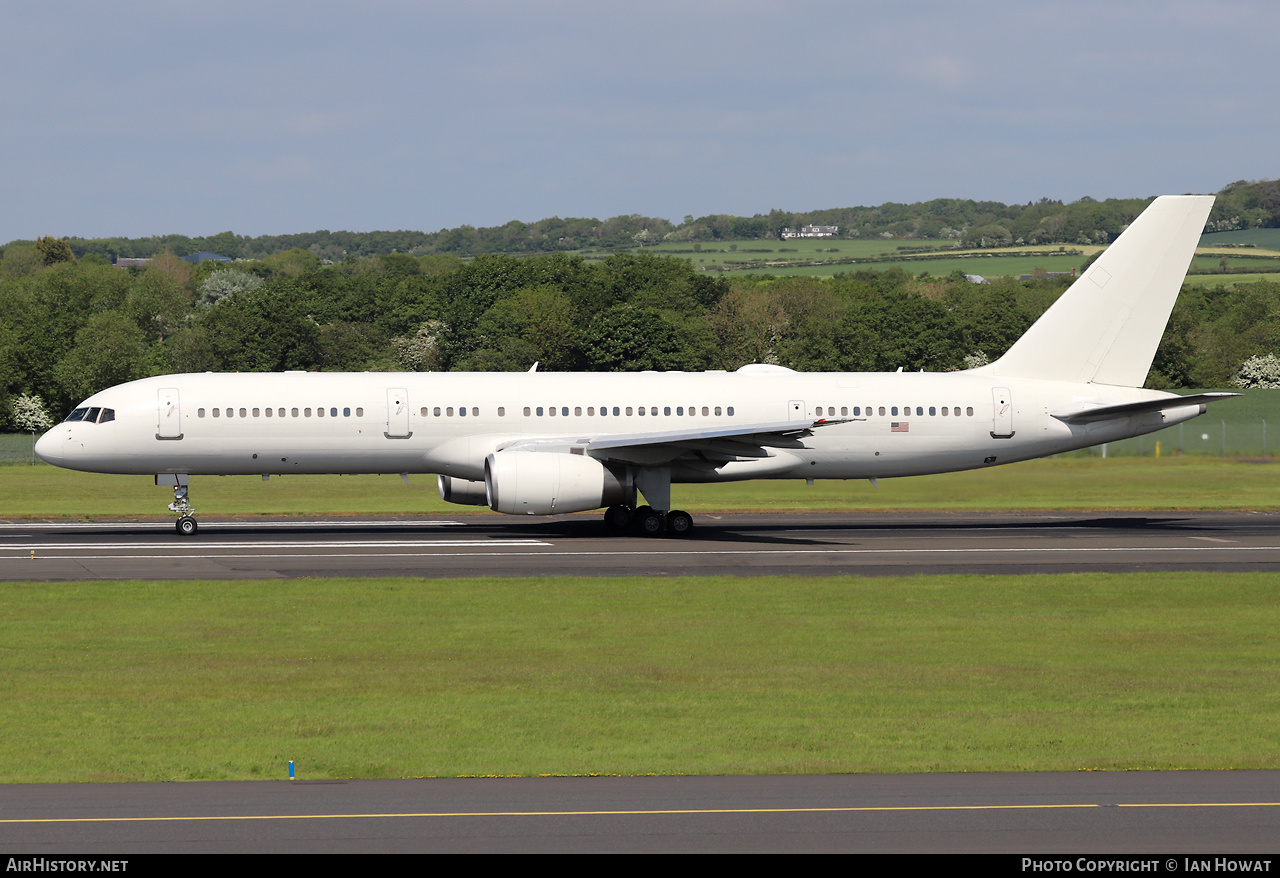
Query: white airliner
(544, 443)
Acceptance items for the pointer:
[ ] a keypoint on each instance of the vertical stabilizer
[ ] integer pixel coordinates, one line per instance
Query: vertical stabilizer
(1105, 328)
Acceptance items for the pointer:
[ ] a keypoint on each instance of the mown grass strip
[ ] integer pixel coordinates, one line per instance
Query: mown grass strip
(400, 677)
(1189, 482)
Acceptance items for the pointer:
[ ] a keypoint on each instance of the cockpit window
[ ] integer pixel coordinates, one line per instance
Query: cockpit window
(95, 415)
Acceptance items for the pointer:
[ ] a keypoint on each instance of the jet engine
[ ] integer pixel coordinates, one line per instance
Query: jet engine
(462, 491)
(548, 483)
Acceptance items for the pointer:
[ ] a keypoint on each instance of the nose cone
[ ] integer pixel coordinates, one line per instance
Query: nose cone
(49, 446)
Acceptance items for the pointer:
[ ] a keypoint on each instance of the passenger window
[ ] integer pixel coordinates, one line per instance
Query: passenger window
(615, 411)
(591, 411)
(705, 411)
(257, 413)
(502, 411)
(894, 410)
(448, 412)
(346, 411)
(680, 410)
(526, 411)
(628, 410)
(844, 410)
(551, 411)
(539, 411)
(564, 411)
(359, 412)
(436, 410)
(577, 411)
(424, 411)
(641, 411)
(969, 411)
(717, 411)
(319, 412)
(932, 411)
(945, 411)
(666, 410)
(295, 412)
(462, 411)
(306, 413)
(333, 412)
(200, 413)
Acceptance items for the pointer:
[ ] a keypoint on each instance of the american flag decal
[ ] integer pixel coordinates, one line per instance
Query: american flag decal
(899, 427)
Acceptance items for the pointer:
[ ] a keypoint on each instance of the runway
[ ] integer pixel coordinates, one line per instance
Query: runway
(1078, 813)
(1158, 814)
(740, 545)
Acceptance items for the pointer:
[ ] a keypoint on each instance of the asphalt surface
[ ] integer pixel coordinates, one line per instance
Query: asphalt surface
(1129, 812)
(1153, 813)
(742, 545)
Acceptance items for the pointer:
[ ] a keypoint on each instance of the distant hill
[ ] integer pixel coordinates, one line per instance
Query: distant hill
(1242, 207)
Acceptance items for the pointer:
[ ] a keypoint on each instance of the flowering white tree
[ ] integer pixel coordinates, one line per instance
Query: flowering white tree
(1260, 372)
(227, 282)
(28, 414)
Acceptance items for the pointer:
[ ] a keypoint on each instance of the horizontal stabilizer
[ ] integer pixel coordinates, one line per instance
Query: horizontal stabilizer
(1124, 410)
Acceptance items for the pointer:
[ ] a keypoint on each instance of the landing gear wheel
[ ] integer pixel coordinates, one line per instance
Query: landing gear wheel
(651, 523)
(186, 526)
(679, 523)
(617, 518)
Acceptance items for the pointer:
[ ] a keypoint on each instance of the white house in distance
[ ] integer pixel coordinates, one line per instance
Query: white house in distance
(811, 232)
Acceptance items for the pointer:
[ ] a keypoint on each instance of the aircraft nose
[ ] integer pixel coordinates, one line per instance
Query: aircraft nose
(49, 446)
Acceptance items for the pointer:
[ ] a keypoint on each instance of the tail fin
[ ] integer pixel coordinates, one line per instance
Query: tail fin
(1105, 328)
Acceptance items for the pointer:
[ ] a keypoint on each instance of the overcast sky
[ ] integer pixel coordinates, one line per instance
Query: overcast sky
(139, 118)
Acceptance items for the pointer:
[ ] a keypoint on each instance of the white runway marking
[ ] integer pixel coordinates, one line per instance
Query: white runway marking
(191, 551)
(219, 525)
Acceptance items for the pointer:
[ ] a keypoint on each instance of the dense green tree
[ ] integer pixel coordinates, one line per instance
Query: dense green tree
(108, 350)
(262, 331)
(54, 250)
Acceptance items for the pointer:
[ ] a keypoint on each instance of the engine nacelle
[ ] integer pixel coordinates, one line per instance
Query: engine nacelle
(548, 483)
(462, 491)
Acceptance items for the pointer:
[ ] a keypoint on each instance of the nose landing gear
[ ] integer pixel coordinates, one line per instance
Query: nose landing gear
(186, 524)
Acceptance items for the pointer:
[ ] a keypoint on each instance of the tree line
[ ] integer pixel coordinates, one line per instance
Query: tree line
(70, 327)
(1241, 205)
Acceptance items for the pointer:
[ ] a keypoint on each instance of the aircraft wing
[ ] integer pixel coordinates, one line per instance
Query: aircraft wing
(706, 443)
(726, 443)
(1090, 414)
(774, 434)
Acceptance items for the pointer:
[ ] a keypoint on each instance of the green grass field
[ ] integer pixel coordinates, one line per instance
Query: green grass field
(1187, 482)
(1266, 239)
(403, 678)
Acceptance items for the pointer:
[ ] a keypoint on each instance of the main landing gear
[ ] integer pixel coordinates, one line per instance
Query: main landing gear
(648, 521)
(186, 524)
